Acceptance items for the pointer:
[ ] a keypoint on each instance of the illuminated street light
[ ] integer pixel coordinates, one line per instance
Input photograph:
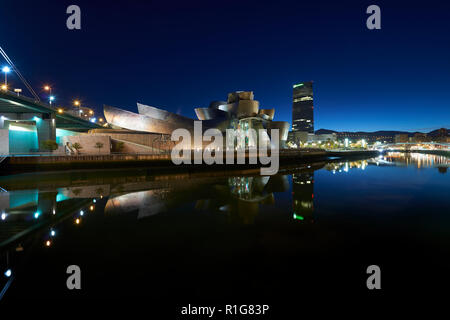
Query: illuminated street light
(4, 87)
(77, 103)
(6, 70)
(60, 110)
(49, 89)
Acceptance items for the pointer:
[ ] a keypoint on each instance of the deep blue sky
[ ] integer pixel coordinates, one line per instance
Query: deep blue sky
(183, 54)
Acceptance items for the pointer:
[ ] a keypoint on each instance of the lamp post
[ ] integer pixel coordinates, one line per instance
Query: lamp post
(77, 104)
(49, 89)
(6, 70)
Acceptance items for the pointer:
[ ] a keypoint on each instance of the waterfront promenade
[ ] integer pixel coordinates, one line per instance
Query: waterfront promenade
(42, 162)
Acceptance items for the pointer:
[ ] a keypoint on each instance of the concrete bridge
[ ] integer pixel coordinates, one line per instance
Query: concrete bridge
(25, 123)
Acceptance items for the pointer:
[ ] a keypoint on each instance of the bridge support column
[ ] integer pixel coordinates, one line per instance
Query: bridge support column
(47, 202)
(46, 130)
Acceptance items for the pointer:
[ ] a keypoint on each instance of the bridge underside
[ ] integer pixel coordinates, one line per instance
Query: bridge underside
(25, 124)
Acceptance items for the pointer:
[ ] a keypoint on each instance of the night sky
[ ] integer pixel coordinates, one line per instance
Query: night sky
(183, 54)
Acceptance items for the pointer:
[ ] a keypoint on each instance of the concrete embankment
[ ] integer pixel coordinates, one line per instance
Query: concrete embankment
(18, 164)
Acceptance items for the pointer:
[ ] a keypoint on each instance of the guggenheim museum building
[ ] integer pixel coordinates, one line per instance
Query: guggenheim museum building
(240, 111)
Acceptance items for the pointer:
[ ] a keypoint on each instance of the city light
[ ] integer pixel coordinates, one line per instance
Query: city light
(47, 88)
(3, 216)
(37, 214)
(8, 273)
(48, 243)
(77, 221)
(4, 87)
(52, 98)
(76, 102)
(6, 70)
(60, 110)
(93, 120)
(52, 233)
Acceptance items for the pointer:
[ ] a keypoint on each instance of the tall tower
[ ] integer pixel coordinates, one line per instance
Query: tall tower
(303, 108)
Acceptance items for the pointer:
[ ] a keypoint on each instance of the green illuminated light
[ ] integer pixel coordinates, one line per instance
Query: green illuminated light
(298, 85)
(298, 217)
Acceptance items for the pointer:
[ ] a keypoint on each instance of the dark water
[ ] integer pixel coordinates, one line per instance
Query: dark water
(305, 235)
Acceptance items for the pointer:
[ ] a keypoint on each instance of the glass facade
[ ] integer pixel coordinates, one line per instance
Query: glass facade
(303, 107)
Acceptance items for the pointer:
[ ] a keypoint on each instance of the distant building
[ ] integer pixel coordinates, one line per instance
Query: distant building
(303, 107)
(331, 137)
(421, 137)
(401, 138)
(298, 137)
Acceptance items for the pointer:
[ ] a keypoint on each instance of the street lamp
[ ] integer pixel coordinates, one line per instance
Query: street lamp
(78, 104)
(49, 89)
(6, 70)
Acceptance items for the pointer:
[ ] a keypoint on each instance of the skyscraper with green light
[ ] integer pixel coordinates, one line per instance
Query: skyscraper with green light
(303, 107)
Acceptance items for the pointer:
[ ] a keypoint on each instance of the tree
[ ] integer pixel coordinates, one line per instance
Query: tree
(99, 145)
(49, 145)
(77, 147)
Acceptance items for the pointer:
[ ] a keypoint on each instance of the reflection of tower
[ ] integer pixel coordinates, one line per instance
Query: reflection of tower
(302, 195)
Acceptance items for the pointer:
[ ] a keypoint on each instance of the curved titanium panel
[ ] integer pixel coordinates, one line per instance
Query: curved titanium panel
(283, 126)
(230, 108)
(209, 113)
(268, 112)
(133, 121)
(234, 97)
(216, 104)
(247, 108)
(156, 113)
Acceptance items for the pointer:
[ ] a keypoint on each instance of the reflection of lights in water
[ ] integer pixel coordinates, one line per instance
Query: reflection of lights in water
(419, 159)
(298, 217)
(306, 204)
(346, 167)
(8, 273)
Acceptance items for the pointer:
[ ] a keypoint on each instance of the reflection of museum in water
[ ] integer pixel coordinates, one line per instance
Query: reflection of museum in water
(238, 197)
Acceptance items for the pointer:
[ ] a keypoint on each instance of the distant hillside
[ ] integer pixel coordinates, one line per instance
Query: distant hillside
(381, 132)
